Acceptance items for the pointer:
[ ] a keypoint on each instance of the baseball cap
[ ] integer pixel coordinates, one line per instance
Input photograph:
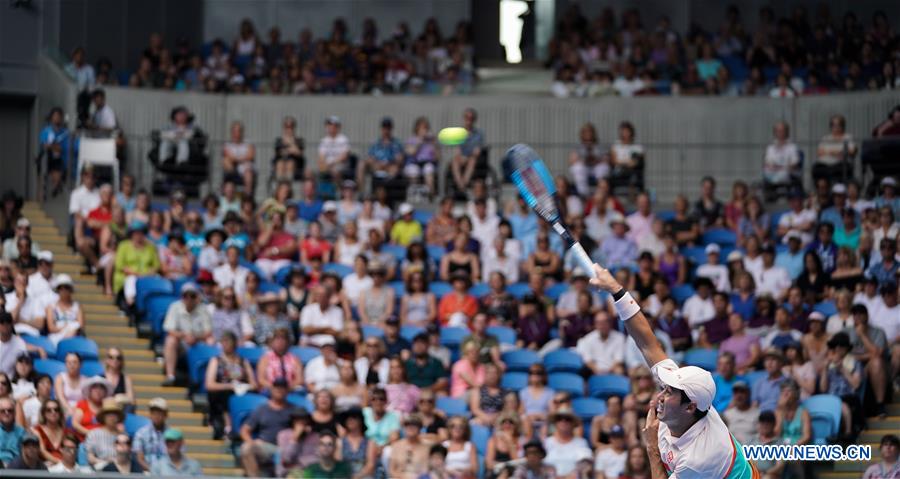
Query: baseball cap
(329, 206)
(189, 287)
(387, 122)
(886, 181)
(712, 248)
(839, 189)
(617, 431)
(173, 434)
(333, 120)
(816, 316)
(697, 384)
(29, 437)
(740, 384)
(23, 223)
(405, 209)
(774, 352)
(45, 255)
(579, 273)
(205, 277)
(158, 403)
(792, 235)
(327, 341)
(735, 256)
(768, 248)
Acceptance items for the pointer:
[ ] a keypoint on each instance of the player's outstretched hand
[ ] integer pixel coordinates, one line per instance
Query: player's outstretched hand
(604, 279)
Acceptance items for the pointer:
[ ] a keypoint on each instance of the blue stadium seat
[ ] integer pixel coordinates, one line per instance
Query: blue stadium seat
(452, 406)
(720, 236)
(703, 358)
(682, 292)
(269, 287)
(410, 332)
(514, 380)
(435, 253)
(396, 250)
(157, 306)
(197, 358)
(42, 342)
(694, 254)
(563, 360)
(252, 267)
(557, 290)
(827, 308)
(341, 270)
(518, 290)
(301, 400)
(568, 382)
(775, 217)
(369, 331)
(133, 422)
(86, 348)
(239, 407)
(50, 367)
(399, 288)
(479, 437)
(281, 276)
(305, 353)
(440, 288)
(148, 286)
(825, 414)
(452, 336)
(753, 376)
(504, 334)
(178, 283)
(479, 289)
(252, 354)
(91, 368)
(587, 408)
(520, 359)
(606, 385)
(422, 216)
(665, 215)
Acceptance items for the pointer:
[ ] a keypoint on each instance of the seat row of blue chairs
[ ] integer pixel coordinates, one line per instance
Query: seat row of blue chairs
(85, 348)
(52, 367)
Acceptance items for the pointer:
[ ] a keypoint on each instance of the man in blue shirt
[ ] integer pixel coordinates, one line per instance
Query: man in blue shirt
(839, 202)
(309, 207)
(10, 433)
(54, 141)
(889, 195)
(385, 156)
(767, 389)
(725, 379)
(618, 250)
(824, 246)
(194, 238)
(236, 236)
(792, 259)
(885, 271)
(463, 164)
(175, 463)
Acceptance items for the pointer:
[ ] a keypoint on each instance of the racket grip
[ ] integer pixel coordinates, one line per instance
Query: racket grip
(583, 259)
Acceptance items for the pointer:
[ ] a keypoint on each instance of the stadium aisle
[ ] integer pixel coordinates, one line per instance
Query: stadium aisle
(105, 325)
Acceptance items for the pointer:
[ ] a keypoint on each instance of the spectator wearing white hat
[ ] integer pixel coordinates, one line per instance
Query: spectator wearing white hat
(334, 150)
(791, 259)
(148, 445)
(888, 196)
(717, 273)
(323, 371)
(406, 230)
(39, 282)
(23, 228)
(187, 323)
(772, 279)
(27, 311)
(328, 221)
(64, 317)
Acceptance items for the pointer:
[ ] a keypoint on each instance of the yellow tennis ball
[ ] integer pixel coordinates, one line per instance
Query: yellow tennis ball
(453, 136)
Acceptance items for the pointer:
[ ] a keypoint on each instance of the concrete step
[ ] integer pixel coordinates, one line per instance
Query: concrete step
(108, 341)
(857, 467)
(142, 367)
(110, 327)
(159, 391)
(51, 241)
(144, 379)
(213, 460)
(891, 423)
(187, 418)
(220, 471)
(133, 353)
(208, 446)
(834, 475)
(108, 308)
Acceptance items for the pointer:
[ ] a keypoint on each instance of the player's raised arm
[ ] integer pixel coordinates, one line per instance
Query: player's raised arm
(630, 312)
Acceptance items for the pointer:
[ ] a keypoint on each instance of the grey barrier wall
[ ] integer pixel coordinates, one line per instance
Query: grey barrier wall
(686, 138)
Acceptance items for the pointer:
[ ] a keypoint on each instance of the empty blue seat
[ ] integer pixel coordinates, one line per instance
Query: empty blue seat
(440, 288)
(568, 382)
(682, 292)
(606, 385)
(825, 414)
(703, 358)
(133, 422)
(452, 336)
(753, 376)
(695, 254)
(563, 360)
(720, 236)
(827, 308)
(504, 334)
(452, 406)
(341, 270)
(239, 407)
(42, 342)
(251, 354)
(197, 358)
(84, 347)
(435, 253)
(520, 359)
(91, 368)
(514, 380)
(399, 288)
(305, 353)
(480, 289)
(422, 217)
(157, 306)
(557, 290)
(269, 287)
(479, 436)
(587, 408)
(281, 276)
(147, 286)
(370, 331)
(252, 267)
(396, 250)
(301, 400)
(50, 367)
(518, 290)
(410, 332)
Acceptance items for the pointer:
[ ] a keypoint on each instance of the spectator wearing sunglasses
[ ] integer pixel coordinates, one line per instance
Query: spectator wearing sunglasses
(11, 434)
(69, 454)
(124, 463)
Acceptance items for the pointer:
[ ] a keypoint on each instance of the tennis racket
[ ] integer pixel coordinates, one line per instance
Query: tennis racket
(536, 186)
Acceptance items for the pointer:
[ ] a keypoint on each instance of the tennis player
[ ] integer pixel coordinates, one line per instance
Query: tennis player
(686, 438)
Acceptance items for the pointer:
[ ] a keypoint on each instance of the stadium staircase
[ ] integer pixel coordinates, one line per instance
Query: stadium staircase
(106, 325)
(876, 428)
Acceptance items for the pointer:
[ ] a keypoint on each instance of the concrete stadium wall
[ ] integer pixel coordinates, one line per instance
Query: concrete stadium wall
(685, 138)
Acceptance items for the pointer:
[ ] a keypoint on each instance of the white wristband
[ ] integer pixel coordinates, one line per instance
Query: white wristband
(627, 307)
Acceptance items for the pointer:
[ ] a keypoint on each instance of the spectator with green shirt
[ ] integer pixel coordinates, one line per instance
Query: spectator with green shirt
(406, 230)
(382, 426)
(488, 346)
(327, 467)
(423, 370)
(135, 257)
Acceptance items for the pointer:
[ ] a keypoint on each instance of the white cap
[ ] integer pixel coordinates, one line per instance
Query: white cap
(712, 248)
(329, 206)
(815, 316)
(189, 287)
(888, 181)
(327, 341)
(697, 384)
(45, 256)
(405, 209)
(792, 234)
(158, 403)
(23, 222)
(839, 189)
(734, 256)
(61, 280)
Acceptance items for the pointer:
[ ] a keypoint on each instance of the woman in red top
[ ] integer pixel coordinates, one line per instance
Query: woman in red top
(458, 306)
(315, 246)
(51, 430)
(276, 246)
(94, 391)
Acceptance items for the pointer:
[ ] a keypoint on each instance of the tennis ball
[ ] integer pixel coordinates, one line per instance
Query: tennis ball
(452, 136)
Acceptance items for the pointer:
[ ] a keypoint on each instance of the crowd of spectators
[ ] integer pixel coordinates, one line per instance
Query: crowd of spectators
(255, 62)
(805, 53)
